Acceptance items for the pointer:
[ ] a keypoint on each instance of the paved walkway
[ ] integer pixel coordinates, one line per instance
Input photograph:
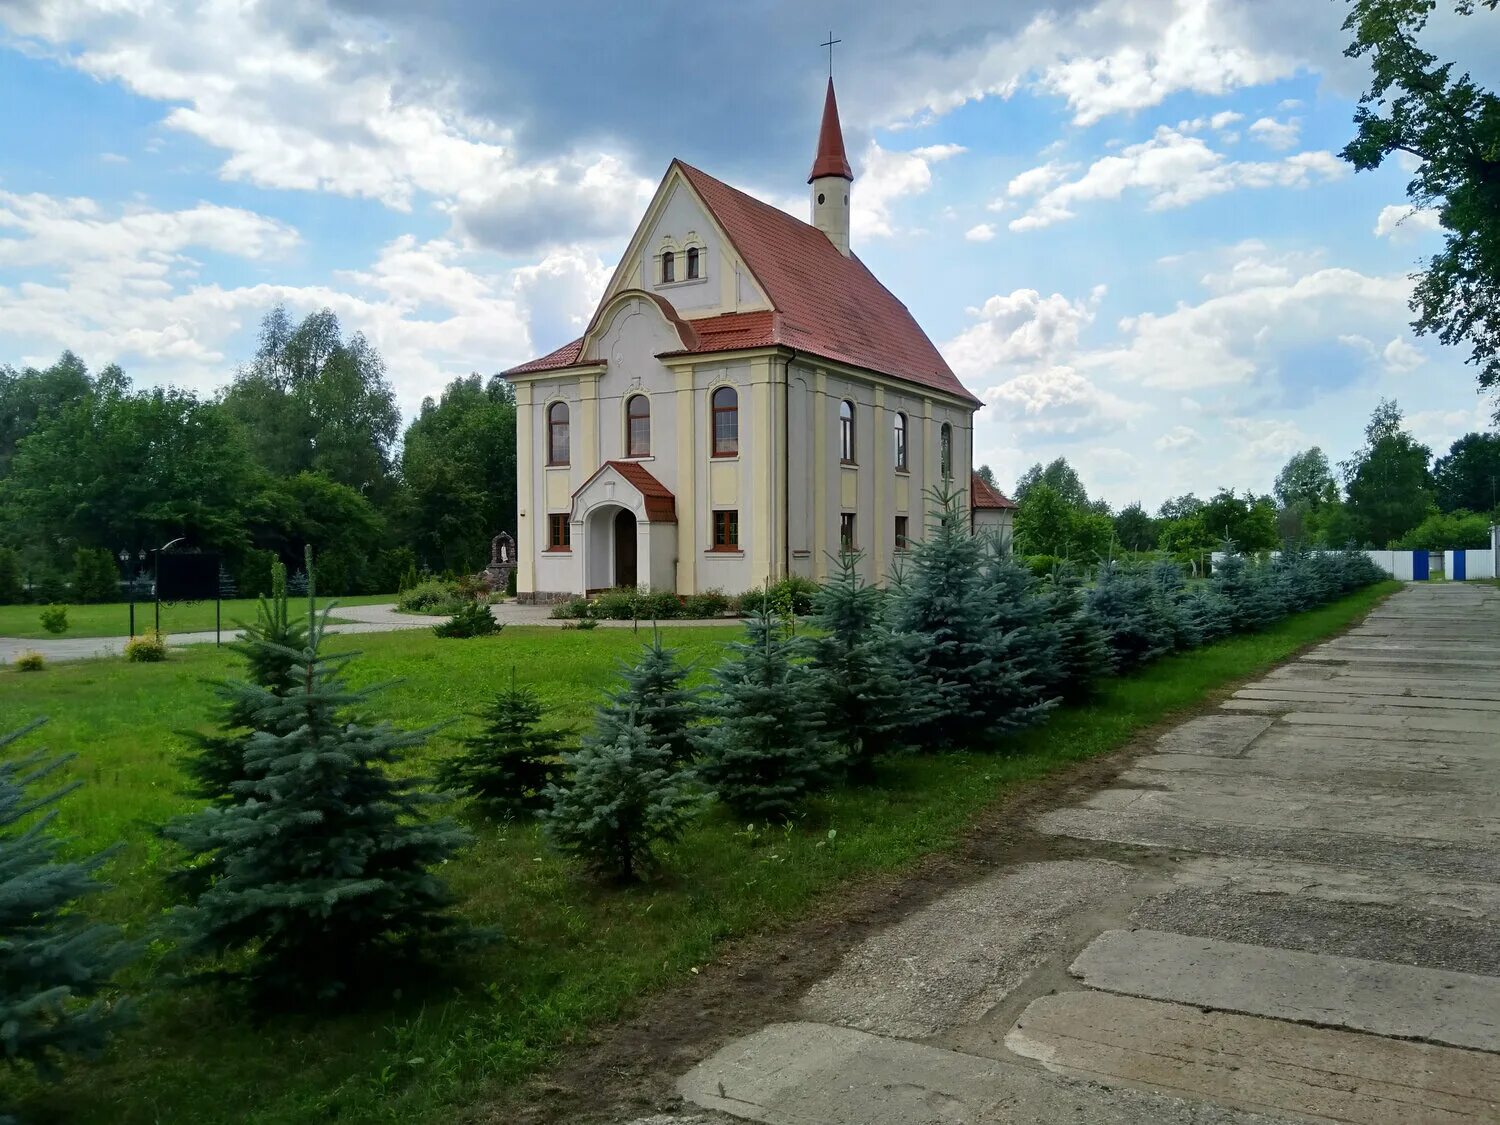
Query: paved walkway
(359, 618)
(1287, 912)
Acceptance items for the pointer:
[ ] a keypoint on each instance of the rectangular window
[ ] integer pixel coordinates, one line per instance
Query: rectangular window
(902, 543)
(727, 530)
(846, 532)
(559, 533)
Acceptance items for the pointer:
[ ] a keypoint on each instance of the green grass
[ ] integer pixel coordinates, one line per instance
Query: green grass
(113, 619)
(576, 954)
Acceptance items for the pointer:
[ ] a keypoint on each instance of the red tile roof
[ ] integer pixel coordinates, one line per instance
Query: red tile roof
(985, 496)
(565, 356)
(824, 303)
(830, 159)
(661, 505)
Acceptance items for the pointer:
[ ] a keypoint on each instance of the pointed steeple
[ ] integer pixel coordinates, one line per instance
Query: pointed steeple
(831, 159)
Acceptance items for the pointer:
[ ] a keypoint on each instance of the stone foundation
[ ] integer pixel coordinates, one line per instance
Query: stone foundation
(543, 597)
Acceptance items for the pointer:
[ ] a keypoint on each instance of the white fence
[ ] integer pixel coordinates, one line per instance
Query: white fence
(1419, 566)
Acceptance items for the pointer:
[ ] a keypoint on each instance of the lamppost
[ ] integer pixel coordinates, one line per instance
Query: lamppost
(131, 578)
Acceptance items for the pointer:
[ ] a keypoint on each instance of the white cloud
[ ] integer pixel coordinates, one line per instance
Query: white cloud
(1267, 439)
(325, 103)
(983, 232)
(1172, 170)
(1022, 328)
(1276, 134)
(1242, 336)
(886, 176)
(1404, 219)
(1058, 401)
(1225, 118)
(1401, 358)
(1176, 439)
(123, 288)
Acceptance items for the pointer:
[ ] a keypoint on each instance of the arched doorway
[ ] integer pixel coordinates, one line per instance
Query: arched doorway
(625, 568)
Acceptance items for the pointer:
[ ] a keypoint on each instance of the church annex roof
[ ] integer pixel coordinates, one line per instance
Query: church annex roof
(983, 495)
(661, 505)
(824, 304)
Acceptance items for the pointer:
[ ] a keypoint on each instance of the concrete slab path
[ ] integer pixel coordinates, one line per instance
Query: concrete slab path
(1289, 912)
(356, 618)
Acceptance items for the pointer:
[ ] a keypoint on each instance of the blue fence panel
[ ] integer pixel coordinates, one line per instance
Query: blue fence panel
(1419, 566)
(1460, 567)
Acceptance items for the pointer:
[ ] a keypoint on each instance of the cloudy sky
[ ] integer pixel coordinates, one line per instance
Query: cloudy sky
(1123, 221)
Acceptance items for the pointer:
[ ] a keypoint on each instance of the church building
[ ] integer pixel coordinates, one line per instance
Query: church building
(746, 401)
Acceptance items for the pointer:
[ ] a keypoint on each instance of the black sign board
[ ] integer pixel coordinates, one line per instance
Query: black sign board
(187, 577)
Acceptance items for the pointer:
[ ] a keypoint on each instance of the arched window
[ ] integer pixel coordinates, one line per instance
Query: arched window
(557, 434)
(899, 431)
(669, 267)
(945, 451)
(638, 427)
(692, 269)
(726, 422)
(846, 432)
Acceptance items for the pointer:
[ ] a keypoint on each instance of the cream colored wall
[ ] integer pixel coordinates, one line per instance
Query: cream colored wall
(874, 491)
(675, 221)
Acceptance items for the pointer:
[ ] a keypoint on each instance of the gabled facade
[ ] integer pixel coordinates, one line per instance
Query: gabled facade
(746, 399)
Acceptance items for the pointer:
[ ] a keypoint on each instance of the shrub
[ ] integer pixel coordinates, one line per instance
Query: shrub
(391, 565)
(470, 619)
(431, 597)
(148, 648)
(573, 608)
(660, 605)
(252, 574)
(55, 618)
(1044, 566)
(710, 603)
(12, 589)
(793, 595)
(749, 602)
(616, 605)
(95, 578)
(48, 586)
(55, 963)
(624, 798)
(510, 584)
(508, 766)
(582, 623)
(30, 662)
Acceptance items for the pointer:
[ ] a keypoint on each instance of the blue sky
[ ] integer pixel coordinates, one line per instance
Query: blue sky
(1123, 221)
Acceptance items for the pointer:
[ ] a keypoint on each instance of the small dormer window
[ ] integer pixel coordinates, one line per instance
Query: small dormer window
(692, 263)
(668, 267)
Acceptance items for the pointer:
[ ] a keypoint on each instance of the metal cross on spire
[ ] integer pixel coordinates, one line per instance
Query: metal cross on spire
(829, 45)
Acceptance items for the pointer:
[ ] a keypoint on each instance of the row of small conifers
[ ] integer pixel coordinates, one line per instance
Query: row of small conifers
(313, 865)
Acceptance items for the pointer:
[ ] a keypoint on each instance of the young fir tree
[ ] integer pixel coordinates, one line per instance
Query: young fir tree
(1167, 578)
(958, 657)
(1026, 636)
(324, 866)
(654, 695)
(55, 965)
(272, 647)
(1130, 611)
(765, 749)
(622, 798)
(858, 667)
(1084, 657)
(1252, 604)
(509, 764)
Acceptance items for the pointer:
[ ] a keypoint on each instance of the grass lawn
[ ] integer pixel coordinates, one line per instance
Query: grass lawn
(576, 954)
(113, 619)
